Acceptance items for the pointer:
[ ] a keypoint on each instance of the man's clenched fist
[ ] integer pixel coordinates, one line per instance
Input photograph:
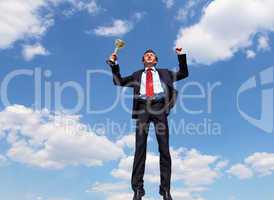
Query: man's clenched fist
(179, 50)
(113, 57)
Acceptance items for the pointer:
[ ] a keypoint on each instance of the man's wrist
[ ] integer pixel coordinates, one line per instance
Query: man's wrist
(181, 53)
(112, 63)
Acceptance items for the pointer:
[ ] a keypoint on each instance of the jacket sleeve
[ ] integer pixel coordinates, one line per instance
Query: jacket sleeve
(127, 81)
(183, 69)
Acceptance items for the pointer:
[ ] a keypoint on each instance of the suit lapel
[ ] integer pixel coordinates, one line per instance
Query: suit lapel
(162, 76)
(139, 76)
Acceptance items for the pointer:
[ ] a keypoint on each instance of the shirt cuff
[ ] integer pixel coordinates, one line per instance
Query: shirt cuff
(111, 63)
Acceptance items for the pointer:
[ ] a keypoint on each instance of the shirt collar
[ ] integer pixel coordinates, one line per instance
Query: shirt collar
(153, 69)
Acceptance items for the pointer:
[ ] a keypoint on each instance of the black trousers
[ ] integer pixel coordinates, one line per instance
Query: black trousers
(151, 112)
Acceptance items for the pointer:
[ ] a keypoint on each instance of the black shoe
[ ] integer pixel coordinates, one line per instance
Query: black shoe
(138, 195)
(166, 195)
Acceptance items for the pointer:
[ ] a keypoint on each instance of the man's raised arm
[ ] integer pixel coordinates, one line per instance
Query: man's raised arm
(183, 69)
(126, 81)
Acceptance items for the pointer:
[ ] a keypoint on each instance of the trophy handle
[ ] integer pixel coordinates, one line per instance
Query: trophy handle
(116, 50)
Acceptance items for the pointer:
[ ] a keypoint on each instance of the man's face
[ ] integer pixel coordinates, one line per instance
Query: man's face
(150, 58)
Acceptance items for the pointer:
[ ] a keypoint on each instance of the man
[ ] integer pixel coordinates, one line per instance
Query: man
(154, 96)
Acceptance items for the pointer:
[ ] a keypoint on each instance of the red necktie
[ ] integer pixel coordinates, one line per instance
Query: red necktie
(149, 83)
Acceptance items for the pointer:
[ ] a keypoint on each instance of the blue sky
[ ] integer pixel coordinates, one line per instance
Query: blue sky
(54, 145)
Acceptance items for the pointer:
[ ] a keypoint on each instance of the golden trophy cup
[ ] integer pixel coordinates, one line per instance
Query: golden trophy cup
(119, 44)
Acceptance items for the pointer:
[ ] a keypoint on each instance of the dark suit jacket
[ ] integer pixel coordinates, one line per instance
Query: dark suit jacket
(167, 77)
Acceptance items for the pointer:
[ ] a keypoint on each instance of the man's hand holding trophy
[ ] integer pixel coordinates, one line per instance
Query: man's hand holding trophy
(119, 44)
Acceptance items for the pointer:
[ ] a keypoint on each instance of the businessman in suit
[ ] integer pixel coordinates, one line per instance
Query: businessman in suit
(153, 98)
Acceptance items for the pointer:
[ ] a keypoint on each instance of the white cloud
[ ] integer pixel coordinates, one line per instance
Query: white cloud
(221, 164)
(114, 191)
(120, 191)
(35, 196)
(194, 168)
(225, 28)
(169, 3)
(261, 163)
(188, 11)
(58, 198)
(250, 54)
(31, 51)
(263, 43)
(109, 187)
(137, 16)
(120, 196)
(127, 141)
(189, 166)
(90, 6)
(123, 196)
(179, 194)
(54, 141)
(119, 27)
(22, 19)
(240, 171)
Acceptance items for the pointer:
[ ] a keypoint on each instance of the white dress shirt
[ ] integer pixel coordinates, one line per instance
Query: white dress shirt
(157, 85)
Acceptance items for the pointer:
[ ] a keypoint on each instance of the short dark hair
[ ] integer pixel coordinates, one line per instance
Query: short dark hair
(149, 51)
